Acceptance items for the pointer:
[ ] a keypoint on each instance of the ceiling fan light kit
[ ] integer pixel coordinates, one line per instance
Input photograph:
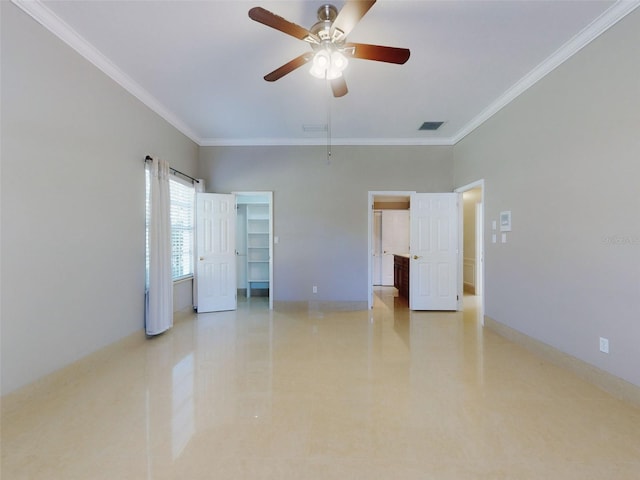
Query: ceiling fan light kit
(329, 65)
(327, 37)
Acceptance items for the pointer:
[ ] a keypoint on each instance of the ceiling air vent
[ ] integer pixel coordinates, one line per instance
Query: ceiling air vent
(430, 126)
(314, 128)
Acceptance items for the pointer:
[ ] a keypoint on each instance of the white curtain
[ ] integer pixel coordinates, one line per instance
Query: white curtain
(199, 188)
(159, 304)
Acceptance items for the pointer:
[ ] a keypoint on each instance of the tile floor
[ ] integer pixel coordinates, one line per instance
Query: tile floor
(386, 394)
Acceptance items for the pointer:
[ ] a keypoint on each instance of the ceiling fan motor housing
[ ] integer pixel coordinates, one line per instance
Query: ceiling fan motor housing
(327, 13)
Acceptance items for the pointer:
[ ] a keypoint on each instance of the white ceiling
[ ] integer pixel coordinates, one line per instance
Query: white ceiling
(200, 64)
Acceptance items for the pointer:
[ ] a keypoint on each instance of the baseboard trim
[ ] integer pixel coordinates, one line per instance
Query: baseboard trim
(606, 381)
(319, 306)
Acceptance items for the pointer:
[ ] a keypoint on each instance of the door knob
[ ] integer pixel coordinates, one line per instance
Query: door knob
(415, 257)
(201, 258)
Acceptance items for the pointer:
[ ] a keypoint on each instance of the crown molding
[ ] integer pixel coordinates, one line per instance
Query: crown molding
(592, 31)
(44, 16)
(322, 141)
(39, 12)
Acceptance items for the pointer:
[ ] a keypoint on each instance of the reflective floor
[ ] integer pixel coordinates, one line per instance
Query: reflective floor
(385, 394)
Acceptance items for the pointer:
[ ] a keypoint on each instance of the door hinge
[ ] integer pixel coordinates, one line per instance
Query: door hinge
(457, 297)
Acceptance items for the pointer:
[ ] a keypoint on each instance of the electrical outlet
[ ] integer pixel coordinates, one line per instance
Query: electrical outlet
(315, 289)
(604, 345)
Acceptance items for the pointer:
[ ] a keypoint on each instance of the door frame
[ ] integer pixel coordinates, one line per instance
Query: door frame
(479, 242)
(269, 194)
(371, 194)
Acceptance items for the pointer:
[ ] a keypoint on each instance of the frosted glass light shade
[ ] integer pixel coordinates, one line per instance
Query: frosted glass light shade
(328, 65)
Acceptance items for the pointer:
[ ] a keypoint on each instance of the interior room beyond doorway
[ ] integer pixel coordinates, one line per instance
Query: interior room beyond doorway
(390, 236)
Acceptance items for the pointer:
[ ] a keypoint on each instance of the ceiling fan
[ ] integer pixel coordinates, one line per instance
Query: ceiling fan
(327, 37)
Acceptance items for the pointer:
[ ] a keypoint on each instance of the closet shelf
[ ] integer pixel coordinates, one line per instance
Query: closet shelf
(258, 245)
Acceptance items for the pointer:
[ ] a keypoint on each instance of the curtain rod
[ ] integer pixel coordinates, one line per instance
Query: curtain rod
(149, 159)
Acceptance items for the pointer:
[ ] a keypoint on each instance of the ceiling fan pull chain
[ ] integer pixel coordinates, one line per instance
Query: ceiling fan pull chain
(328, 122)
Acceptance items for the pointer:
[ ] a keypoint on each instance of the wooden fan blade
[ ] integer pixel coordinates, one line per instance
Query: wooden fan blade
(339, 87)
(378, 53)
(288, 67)
(272, 20)
(350, 15)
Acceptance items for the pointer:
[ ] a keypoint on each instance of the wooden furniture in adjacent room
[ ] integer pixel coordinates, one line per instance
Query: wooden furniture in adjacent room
(401, 275)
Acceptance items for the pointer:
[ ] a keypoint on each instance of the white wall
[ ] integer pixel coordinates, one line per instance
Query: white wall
(72, 192)
(565, 159)
(320, 209)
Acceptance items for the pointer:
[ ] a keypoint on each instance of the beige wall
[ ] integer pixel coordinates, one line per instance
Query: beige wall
(72, 193)
(565, 159)
(320, 209)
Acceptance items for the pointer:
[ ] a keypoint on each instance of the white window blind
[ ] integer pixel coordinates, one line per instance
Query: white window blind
(182, 205)
(182, 228)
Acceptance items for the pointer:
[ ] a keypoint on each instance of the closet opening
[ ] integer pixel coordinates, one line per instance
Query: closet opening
(254, 245)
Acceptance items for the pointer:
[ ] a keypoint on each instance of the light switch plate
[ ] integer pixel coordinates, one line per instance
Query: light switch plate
(504, 238)
(604, 345)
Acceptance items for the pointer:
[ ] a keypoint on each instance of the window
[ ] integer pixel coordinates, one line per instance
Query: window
(182, 206)
(182, 228)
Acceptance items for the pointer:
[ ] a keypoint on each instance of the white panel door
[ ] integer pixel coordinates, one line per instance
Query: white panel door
(395, 239)
(216, 252)
(434, 251)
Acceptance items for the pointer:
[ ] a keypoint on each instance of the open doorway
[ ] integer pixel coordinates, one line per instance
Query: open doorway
(472, 252)
(388, 235)
(254, 245)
